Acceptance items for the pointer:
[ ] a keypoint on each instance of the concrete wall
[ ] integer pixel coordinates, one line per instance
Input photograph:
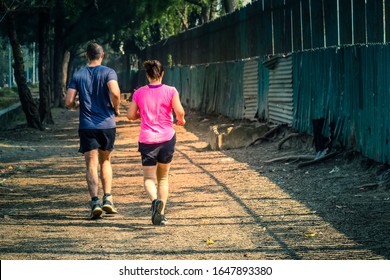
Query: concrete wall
(9, 115)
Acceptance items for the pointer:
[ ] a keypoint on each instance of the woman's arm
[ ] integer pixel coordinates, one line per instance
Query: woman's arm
(179, 110)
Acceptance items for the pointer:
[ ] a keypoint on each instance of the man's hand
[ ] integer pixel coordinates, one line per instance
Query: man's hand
(72, 99)
(76, 103)
(117, 112)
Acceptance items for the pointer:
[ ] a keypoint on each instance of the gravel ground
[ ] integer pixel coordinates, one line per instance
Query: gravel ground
(224, 205)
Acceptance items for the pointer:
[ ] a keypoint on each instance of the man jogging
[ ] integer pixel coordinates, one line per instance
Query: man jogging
(99, 99)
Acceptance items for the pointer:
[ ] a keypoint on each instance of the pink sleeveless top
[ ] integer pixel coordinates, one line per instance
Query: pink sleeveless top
(155, 106)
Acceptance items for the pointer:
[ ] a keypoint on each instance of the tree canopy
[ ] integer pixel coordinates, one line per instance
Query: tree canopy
(64, 26)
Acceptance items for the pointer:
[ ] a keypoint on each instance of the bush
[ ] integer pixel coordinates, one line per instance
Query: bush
(8, 96)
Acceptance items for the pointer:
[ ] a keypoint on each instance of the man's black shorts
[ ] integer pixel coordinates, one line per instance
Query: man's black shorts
(153, 153)
(92, 139)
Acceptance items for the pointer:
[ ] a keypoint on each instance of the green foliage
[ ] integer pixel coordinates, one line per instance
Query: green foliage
(170, 60)
(127, 25)
(8, 92)
(155, 21)
(175, 17)
(8, 96)
(26, 20)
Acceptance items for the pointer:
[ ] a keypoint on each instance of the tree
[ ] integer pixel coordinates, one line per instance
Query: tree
(3, 61)
(28, 105)
(79, 21)
(230, 5)
(169, 19)
(26, 31)
(59, 53)
(179, 16)
(208, 9)
(45, 101)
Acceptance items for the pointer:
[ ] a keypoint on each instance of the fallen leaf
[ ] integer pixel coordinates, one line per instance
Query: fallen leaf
(309, 234)
(209, 242)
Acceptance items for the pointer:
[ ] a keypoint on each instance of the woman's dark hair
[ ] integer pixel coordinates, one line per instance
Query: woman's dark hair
(94, 51)
(153, 68)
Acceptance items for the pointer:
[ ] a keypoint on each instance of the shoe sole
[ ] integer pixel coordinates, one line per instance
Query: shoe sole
(109, 209)
(156, 216)
(96, 213)
(164, 222)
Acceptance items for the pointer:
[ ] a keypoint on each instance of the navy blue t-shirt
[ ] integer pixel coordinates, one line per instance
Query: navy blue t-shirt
(96, 109)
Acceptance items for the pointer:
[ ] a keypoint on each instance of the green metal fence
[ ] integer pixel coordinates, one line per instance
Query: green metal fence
(348, 87)
(271, 27)
(340, 69)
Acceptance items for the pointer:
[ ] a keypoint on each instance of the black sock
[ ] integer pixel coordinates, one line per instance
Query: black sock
(95, 198)
(107, 194)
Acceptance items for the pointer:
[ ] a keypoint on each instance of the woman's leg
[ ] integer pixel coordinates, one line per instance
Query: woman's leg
(150, 181)
(163, 185)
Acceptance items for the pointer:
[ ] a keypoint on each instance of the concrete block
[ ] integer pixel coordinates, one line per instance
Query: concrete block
(9, 114)
(230, 136)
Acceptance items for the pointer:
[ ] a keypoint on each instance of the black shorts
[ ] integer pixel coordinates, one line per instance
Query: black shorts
(153, 153)
(92, 139)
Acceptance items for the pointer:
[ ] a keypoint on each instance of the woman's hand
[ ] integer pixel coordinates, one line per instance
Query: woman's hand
(181, 122)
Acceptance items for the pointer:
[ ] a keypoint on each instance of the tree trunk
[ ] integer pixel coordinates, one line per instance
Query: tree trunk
(44, 66)
(59, 89)
(59, 51)
(29, 107)
(205, 9)
(213, 10)
(65, 68)
(205, 13)
(229, 5)
(69, 70)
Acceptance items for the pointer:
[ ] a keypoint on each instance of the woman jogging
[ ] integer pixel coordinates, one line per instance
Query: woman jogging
(153, 103)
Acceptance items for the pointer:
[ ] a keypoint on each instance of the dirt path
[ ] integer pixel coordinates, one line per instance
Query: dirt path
(223, 205)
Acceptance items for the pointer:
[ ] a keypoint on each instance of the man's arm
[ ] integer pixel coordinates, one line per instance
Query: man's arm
(115, 95)
(70, 98)
(133, 112)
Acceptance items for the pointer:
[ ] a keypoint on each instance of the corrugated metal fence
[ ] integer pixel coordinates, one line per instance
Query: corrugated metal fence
(236, 89)
(268, 27)
(210, 88)
(280, 94)
(347, 87)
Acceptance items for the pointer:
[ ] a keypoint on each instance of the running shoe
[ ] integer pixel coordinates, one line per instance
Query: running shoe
(164, 220)
(96, 210)
(157, 206)
(108, 205)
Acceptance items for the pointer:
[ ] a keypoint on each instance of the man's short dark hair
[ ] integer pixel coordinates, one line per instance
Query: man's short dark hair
(94, 51)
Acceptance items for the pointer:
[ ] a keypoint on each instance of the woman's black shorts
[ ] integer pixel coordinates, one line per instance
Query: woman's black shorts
(92, 139)
(153, 153)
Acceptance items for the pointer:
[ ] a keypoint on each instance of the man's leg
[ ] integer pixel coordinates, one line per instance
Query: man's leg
(105, 170)
(106, 177)
(92, 176)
